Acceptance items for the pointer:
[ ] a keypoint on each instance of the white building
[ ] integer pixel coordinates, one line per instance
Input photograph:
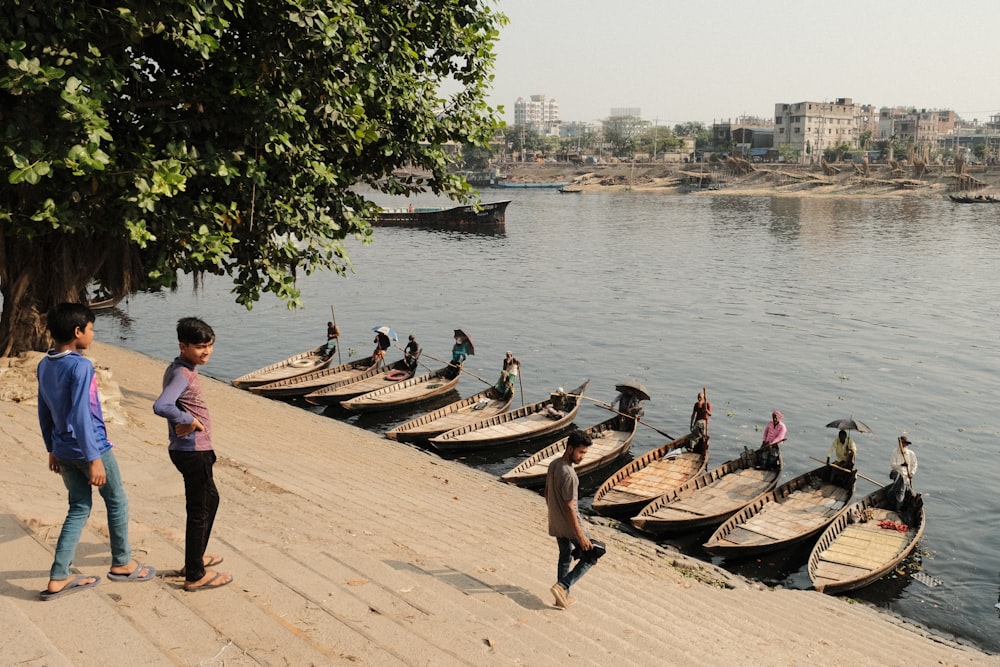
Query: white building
(812, 127)
(537, 114)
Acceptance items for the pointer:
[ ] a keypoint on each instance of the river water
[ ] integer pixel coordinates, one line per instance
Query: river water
(884, 310)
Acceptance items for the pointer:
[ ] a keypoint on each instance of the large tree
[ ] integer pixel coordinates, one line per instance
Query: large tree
(148, 139)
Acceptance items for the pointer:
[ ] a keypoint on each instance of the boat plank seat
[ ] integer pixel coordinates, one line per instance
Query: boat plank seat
(865, 546)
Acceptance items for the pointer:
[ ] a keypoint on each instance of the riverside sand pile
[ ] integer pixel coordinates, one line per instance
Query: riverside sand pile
(351, 549)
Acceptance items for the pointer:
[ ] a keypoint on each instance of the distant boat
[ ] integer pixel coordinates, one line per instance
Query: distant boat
(975, 199)
(488, 216)
(528, 184)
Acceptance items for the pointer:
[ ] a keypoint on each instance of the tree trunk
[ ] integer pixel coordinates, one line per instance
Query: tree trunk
(36, 274)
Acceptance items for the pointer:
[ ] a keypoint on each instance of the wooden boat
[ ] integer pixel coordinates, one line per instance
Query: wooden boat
(608, 442)
(304, 362)
(300, 385)
(649, 476)
(459, 217)
(975, 199)
(465, 411)
(405, 393)
(530, 421)
(370, 380)
(795, 511)
(711, 497)
(855, 551)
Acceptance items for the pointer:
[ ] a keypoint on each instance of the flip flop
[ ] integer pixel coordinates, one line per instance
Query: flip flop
(211, 583)
(213, 560)
(134, 575)
(71, 587)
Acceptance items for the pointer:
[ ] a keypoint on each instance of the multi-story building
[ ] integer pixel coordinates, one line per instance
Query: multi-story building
(812, 127)
(537, 114)
(916, 128)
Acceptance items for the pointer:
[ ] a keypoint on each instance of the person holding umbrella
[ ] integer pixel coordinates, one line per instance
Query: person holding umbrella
(626, 403)
(904, 465)
(459, 352)
(843, 450)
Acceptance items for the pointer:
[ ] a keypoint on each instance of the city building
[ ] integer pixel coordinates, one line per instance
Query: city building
(538, 114)
(809, 128)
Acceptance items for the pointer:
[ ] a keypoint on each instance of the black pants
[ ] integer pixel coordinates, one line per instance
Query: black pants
(201, 501)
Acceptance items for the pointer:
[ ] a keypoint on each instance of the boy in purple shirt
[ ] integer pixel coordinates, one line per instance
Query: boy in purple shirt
(72, 424)
(190, 431)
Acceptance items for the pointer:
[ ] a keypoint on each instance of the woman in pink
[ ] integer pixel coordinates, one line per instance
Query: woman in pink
(774, 434)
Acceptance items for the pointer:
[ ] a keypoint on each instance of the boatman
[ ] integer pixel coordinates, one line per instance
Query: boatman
(903, 467)
(843, 450)
(561, 490)
(774, 435)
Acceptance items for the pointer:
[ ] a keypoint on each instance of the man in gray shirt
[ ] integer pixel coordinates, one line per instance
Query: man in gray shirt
(561, 489)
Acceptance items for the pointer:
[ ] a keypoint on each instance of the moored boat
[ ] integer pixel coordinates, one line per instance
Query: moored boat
(408, 392)
(608, 442)
(531, 421)
(465, 411)
(651, 475)
(975, 199)
(711, 497)
(795, 511)
(459, 217)
(372, 379)
(866, 542)
(300, 385)
(299, 364)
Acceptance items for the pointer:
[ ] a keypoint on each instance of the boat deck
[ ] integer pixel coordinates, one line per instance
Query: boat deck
(655, 479)
(861, 548)
(728, 493)
(784, 519)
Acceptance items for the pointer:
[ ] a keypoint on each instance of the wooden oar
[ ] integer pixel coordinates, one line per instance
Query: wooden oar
(610, 407)
(834, 465)
(340, 361)
(460, 368)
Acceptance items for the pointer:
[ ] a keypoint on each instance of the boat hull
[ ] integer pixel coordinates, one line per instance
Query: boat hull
(641, 481)
(794, 512)
(710, 498)
(851, 554)
(608, 442)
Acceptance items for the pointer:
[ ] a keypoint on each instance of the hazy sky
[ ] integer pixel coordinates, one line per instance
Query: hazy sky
(713, 60)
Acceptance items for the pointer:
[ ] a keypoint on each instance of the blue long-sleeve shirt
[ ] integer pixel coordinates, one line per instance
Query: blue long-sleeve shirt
(69, 409)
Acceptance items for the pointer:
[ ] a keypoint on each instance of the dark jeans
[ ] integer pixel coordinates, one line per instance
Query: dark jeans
(202, 501)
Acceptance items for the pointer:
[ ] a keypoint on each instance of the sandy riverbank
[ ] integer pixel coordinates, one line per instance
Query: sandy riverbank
(765, 180)
(351, 549)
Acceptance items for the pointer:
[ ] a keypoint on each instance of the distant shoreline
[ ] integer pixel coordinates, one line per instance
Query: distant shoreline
(767, 179)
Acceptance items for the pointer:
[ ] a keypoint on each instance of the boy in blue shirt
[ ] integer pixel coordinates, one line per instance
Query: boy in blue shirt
(72, 424)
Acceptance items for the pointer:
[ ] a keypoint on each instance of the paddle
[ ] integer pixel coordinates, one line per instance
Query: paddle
(834, 465)
(610, 407)
(340, 361)
(460, 368)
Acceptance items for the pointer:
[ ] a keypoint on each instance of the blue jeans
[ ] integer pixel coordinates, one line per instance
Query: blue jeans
(566, 576)
(76, 477)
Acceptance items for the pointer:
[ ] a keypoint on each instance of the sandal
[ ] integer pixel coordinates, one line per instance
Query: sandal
(218, 581)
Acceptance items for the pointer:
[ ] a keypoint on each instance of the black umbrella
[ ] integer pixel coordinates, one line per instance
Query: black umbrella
(634, 387)
(470, 347)
(849, 424)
